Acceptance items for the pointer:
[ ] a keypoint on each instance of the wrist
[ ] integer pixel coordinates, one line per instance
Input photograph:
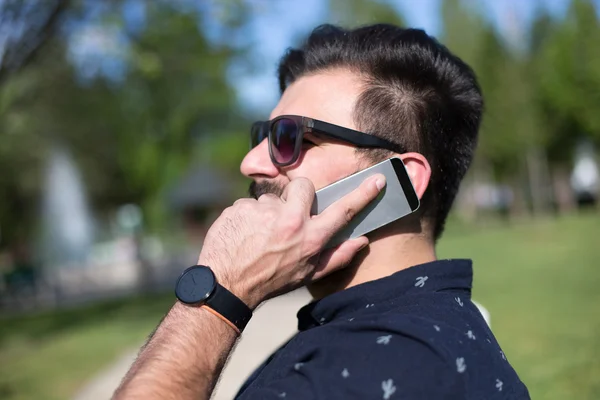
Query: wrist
(243, 289)
(203, 286)
(239, 289)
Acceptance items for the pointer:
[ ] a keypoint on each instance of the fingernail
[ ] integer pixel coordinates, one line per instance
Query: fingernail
(380, 183)
(363, 245)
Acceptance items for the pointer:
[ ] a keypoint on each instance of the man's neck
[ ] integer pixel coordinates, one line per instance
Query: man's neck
(385, 255)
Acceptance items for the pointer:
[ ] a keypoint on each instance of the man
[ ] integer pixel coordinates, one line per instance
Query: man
(389, 321)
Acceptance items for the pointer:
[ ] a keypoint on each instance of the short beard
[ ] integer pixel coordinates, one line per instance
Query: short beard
(257, 189)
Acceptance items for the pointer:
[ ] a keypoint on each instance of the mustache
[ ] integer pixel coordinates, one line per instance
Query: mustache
(257, 189)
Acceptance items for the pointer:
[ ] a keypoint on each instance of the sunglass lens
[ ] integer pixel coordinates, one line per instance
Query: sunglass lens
(257, 134)
(284, 135)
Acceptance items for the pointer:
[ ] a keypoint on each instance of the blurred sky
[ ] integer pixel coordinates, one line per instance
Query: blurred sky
(275, 26)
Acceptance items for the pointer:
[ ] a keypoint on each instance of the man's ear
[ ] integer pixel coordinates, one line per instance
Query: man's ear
(419, 171)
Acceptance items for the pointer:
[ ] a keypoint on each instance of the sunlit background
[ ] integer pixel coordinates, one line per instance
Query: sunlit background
(123, 123)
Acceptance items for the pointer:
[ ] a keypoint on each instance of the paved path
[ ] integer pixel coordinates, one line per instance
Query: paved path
(272, 324)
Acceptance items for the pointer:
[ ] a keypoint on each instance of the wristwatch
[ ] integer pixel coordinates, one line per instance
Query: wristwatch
(198, 286)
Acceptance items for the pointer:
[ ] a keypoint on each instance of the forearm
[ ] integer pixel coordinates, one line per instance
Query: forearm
(256, 249)
(183, 359)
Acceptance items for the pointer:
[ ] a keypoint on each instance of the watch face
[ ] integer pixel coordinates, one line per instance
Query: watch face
(196, 284)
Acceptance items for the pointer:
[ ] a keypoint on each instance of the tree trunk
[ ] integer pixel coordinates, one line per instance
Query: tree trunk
(563, 192)
(518, 205)
(537, 187)
(465, 205)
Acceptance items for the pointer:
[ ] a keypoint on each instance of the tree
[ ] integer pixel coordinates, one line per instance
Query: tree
(566, 71)
(27, 27)
(510, 144)
(463, 30)
(131, 136)
(352, 13)
(28, 30)
(569, 77)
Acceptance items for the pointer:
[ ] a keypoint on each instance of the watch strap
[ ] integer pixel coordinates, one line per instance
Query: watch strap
(225, 304)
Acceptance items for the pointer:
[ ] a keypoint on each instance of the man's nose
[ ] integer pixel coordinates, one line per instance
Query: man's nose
(257, 163)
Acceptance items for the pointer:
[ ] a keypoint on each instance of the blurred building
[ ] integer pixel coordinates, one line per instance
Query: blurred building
(128, 260)
(200, 196)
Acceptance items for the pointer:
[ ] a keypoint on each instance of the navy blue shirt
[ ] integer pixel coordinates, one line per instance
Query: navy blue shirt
(412, 335)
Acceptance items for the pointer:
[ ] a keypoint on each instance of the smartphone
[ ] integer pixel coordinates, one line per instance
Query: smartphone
(397, 199)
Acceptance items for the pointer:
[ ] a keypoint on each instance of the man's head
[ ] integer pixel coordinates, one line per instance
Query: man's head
(397, 84)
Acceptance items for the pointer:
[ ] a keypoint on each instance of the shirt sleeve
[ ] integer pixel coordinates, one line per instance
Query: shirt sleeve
(371, 364)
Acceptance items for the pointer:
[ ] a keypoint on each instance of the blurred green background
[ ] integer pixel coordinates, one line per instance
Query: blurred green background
(123, 123)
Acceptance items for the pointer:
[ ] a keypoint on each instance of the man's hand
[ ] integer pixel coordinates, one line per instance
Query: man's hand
(257, 249)
(261, 248)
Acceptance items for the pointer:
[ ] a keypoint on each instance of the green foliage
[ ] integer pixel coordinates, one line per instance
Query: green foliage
(541, 95)
(176, 92)
(352, 13)
(508, 129)
(462, 30)
(567, 65)
(131, 137)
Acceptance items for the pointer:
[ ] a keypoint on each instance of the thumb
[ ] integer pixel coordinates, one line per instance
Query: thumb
(339, 257)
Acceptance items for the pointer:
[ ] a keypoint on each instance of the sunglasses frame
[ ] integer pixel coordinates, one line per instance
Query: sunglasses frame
(308, 125)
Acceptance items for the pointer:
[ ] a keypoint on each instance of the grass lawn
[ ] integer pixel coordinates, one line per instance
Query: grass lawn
(539, 281)
(541, 284)
(48, 356)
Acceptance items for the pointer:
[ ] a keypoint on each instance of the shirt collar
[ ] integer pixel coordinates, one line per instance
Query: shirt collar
(425, 278)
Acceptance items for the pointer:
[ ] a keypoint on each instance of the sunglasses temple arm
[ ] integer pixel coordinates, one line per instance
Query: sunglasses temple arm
(352, 136)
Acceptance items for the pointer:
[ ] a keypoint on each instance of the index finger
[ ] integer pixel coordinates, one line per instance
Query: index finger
(340, 213)
(299, 194)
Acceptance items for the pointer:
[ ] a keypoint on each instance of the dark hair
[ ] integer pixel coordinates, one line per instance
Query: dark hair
(417, 95)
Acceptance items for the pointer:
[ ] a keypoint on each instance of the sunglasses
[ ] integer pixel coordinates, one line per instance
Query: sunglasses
(286, 132)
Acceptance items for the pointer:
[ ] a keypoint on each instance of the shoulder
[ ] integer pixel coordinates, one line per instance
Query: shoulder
(384, 336)
(367, 357)
(433, 357)
(446, 341)
(342, 362)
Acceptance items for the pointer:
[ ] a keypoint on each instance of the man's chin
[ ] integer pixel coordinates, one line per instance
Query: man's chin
(257, 189)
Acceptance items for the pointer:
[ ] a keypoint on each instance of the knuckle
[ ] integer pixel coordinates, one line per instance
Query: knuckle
(348, 213)
(237, 203)
(229, 210)
(304, 184)
(314, 245)
(269, 214)
(293, 221)
(244, 204)
(310, 187)
(268, 197)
